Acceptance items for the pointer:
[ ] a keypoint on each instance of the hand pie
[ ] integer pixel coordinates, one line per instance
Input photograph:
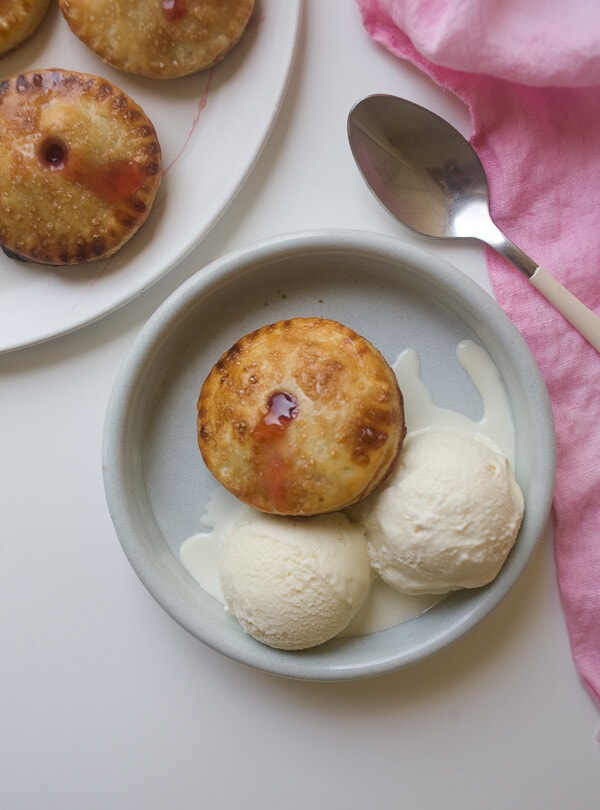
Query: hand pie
(301, 417)
(162, 39)
(79, 167)
(18, 20)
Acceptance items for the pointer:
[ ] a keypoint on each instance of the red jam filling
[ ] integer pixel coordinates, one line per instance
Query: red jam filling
(174, 9)
(282, 408)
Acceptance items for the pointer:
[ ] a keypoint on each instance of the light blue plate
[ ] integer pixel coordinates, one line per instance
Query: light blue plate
(398, 297)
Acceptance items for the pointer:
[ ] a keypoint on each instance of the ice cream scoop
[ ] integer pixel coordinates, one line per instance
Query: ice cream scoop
(294, 583)
(448, 517)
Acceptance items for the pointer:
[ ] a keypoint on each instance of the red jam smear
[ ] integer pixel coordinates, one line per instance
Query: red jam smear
(174, 9)
(274, 467)
(113, 183)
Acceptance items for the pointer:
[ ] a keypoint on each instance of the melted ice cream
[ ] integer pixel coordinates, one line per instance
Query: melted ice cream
(385, 607)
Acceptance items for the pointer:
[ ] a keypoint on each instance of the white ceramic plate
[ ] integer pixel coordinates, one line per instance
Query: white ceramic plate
(212, 127)
(398, 297)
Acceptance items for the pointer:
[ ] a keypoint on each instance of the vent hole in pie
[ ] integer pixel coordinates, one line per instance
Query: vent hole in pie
(53, 153)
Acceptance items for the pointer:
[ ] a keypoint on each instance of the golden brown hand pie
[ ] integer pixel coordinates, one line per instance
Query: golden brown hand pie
(18, 20)
(301, 417)
(163, 39)
(79, 167)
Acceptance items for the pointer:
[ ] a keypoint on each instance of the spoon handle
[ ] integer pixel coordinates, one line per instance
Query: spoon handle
(582, 318)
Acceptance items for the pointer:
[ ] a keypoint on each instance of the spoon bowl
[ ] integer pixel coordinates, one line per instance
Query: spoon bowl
(419, 167)
(426, 173)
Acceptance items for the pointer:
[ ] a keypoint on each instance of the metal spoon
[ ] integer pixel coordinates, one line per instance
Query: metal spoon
(430, 178)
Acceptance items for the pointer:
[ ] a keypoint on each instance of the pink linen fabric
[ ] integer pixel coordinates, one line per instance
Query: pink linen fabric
(535, 42)
(529, 72)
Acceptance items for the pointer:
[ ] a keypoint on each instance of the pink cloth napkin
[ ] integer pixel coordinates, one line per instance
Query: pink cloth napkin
(529, 72)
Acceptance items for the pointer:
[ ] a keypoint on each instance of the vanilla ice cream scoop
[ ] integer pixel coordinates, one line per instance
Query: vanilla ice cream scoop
(294, 583)
(448, 516)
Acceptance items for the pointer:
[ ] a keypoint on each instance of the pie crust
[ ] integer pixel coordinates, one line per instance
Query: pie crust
(79, 167)
(163, 39)
(301, 417)
(18, 20)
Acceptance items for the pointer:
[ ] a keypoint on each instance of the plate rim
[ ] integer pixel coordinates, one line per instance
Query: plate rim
(294, 12)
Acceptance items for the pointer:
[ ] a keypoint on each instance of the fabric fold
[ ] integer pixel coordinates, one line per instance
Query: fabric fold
(534, 42)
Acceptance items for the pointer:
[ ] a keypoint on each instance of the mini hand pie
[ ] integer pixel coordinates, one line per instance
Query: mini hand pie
(18, 20)
(79, 167)
(301, 417)
(163, 39)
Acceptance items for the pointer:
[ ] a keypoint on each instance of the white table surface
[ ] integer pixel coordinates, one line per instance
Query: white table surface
(107, 703)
